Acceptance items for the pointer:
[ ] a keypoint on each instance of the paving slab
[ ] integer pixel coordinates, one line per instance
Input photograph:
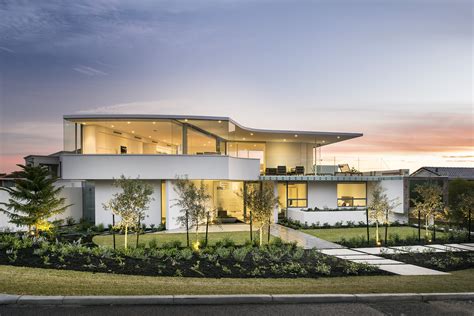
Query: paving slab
(446, 248)
(468, 248)
(409, 269)
(340, 252)
(378, 250)
(377, 262)
(304, 240)
(361, 256)
(417, 248)
(468, 244)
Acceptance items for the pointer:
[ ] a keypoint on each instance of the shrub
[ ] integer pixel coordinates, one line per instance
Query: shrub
(240, 254)
(70, 221)
(222, 252)
(172, 244)
(225, 242)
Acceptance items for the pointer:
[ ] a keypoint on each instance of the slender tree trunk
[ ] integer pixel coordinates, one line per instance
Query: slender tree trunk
(207, 227)
(419, 226)
(126, 236)
(113, 229)
(260, 232)
(434, 231)
(377, 232)
(367, 220)
(251, 232)
(426, 229)
(469, 228)
(268, 235)
(187, 228)
(138, 233)
(386, 228)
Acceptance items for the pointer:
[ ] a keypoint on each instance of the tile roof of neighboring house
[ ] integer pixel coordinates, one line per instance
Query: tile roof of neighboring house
(450, 172)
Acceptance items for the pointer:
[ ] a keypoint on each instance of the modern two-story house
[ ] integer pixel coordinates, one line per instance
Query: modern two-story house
(224, 154)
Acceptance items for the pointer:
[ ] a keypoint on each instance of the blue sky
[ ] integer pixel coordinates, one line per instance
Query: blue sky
(398, 71)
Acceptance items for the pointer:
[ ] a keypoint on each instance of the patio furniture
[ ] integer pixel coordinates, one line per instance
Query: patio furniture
(299, 170)
(223, 218)
(281, 170)
(345, 170)
(270, 171)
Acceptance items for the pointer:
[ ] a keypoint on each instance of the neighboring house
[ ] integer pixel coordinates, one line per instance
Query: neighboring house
(440, 176)
(217, 150)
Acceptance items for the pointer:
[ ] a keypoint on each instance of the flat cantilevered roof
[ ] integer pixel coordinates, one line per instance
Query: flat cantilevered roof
(223, 127)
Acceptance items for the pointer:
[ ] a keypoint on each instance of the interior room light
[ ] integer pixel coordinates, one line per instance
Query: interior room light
(129, 122)
(185, 120)
(254, 145)
(323, 141)
(219, 121)
(338, 137)
(251, 134)
(284, 140)
(154, 123)
(149, 136)
(112, 126)
(133, 132)
(296, 135)
(243, 138)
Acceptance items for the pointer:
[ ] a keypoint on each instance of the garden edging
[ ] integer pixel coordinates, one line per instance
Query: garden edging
(7, 299)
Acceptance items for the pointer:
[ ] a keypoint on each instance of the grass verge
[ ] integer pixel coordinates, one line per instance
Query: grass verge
(238, 238)
(34, 281)
(335, 234)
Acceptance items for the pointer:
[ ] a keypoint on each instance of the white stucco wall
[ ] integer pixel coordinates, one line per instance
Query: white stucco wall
(322, 195)
(103, 193)
(394, 190)
(72, 192)
(330, 217)
(155, 167)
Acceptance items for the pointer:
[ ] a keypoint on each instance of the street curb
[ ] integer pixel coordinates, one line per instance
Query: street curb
(6, 299)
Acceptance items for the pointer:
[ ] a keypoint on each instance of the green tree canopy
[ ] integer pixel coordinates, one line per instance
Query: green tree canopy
(33, 199)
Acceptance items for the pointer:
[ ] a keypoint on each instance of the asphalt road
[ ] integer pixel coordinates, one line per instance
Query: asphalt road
(368, 309)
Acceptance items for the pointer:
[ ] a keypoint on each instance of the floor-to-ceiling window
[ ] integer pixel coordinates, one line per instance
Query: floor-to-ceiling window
(293, 194)
(248, 150)
(351, 194)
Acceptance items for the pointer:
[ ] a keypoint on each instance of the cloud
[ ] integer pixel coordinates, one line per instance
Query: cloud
(89, 71)
(6, 49)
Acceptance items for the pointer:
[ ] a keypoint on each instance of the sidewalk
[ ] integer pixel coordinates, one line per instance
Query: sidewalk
(302, 239)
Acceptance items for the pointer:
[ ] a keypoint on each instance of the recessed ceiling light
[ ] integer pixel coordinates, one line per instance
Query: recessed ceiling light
(254, 145)
(251, 134)
(128, 122)
(84, 123)
(284, 140)
(112, 126)
(324, 141)
(220, 121)
(243, 138)
(338, 137)
(185, 120)
(154, 122)
(133, 132)
(149, 136)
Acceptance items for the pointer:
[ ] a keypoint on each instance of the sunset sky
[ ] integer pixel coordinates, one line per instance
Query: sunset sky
(400, 71)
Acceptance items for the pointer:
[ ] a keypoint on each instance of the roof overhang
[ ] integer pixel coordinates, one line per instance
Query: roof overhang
(226, 128)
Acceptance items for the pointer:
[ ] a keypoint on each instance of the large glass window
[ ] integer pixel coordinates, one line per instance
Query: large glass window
(200, 143)
(248, 150)
(293, 194)
(351, 195)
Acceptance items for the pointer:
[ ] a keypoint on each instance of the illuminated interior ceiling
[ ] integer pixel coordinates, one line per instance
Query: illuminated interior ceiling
(221, 127)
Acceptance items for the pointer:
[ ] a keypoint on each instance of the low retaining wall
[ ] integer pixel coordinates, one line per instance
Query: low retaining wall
(330, 217)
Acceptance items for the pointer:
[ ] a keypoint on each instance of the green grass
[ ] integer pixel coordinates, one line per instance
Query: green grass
(335, 234)
(239, 238)
(34, 281)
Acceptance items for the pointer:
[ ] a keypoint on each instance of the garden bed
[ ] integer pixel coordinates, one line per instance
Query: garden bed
(443, 261)
(223, 260)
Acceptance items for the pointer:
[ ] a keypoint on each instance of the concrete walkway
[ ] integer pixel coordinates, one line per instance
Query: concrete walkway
(302, 239)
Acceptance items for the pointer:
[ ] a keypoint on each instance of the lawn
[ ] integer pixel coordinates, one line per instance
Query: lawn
(35, 281)
(239, 238)
(335, 234)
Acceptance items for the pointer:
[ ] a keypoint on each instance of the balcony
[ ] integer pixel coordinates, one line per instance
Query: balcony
(148, 167)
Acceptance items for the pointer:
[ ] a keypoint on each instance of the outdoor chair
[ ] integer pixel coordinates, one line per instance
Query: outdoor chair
(299, 170)
(270, 171)
(281, 170)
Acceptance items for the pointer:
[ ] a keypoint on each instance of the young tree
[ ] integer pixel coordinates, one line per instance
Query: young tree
(130, 204)
(261, 200)
(465, 206)
(380, 209)
(33, 199)
(430, 204)
(193, 202)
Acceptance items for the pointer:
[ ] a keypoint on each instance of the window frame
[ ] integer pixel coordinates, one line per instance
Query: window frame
(296, 199)
(353, 199)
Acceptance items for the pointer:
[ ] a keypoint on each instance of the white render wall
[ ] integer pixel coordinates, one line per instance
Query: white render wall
(156, 167)
(330, 217)
(103, 193)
